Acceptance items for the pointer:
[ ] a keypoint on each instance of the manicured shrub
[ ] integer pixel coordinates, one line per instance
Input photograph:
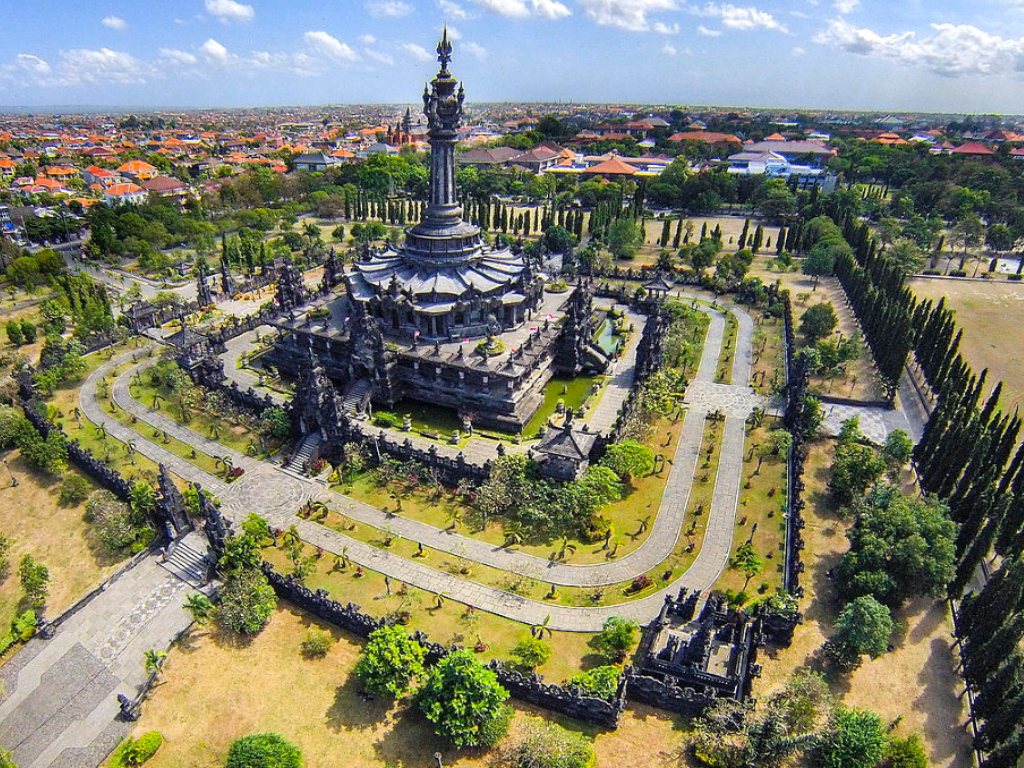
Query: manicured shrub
(545, 745)
(530, 652)
(73, 490)
(317, 643)
(601, 682)
(247, 601)
(464, 701)
(617, 637)
(263, 750)
(389, 662)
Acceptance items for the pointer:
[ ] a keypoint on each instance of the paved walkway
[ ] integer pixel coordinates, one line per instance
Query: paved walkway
(61, 694)
(602, 418)
(278, 495)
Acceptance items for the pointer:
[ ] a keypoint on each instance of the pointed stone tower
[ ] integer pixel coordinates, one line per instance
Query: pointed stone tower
(203, 294)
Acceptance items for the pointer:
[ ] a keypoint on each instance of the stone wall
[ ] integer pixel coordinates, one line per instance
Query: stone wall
(528, 687)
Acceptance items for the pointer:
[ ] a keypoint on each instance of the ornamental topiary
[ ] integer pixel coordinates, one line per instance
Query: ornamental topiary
(263, 750)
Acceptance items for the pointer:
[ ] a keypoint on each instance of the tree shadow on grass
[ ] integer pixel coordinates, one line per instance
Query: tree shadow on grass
(410, 741)
(353, 709)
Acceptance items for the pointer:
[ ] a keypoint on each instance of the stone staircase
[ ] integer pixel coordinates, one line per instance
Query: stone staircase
(357, 395)
(299, 461)
(186, 559)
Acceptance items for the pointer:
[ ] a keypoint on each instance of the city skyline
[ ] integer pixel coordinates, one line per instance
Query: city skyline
(793, 54)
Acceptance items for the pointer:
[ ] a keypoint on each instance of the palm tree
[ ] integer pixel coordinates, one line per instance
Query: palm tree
(514, 532)
(644, 523)
(538, 630)
(130, 447)
(154, 661)
(226, 462)
(200, 606)
(565, 547)
(157, 399)
(291, 538)
(439, 599)
(319, 508)
(454, 516)
(102, 429)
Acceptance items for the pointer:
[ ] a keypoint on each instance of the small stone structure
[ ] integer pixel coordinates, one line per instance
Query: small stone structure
(564, 452)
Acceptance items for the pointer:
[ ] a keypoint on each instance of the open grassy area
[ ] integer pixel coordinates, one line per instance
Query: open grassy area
(916, 680)
(36, 524)
(990, 315)
(267, 684)
(860, 381)
(760, 518)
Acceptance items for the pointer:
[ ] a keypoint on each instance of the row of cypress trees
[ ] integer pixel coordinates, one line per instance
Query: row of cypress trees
(969, 457)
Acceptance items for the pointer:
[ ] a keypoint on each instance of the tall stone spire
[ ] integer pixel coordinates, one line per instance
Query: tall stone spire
(203, 295)
(442, 105)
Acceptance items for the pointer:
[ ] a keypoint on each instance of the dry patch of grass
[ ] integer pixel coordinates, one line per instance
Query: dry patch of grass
(916, 681)
(989, 314)
(218, 689)
(36, 524)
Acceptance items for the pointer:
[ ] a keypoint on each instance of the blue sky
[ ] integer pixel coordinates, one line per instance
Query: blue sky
(942, 55)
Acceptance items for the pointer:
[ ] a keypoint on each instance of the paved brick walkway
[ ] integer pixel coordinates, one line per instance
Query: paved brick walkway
(278, 495)
(61, 694)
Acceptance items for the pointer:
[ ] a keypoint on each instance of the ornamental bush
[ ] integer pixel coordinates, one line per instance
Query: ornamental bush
(600, 682)
(546, 745)
(389, 662)
(247, 601)
(617, 637)
(263, 750)
(530, 652)
(464, 701)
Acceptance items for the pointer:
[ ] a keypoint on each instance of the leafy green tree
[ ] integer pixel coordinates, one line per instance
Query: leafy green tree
(35, 580)
(624, 238)
(143, 500)
(855, 738)
(14, 334)
(601, 682)
(897, 450)
(74, 489)
(247, 601)
(275, 423)
(617, 637)
(463, 700)
(906, 257)
(263, 750)
(900, 546)
(821, 259)
(862, 627)
(854, 469)
(629, 459)
(747, 561)
(530, 652)
(200, 607)
(905, 753)
(389, 662)
(14, 427)
(818, 322)
(28, 331)
(540, 744)
(240, 553)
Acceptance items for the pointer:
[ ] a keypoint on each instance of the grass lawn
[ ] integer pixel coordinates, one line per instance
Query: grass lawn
(762, 504)
(36, 524)
(916, 680)
(267, 684)
(989, 314)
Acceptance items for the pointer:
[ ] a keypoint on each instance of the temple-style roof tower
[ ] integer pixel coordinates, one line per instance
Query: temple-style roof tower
(203, 294)
(444, 282)
(227, 283)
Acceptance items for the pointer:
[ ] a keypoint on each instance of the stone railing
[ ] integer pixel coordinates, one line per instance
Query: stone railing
(528, 687)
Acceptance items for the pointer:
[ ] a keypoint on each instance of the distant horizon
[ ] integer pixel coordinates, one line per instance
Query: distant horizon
(86, 109)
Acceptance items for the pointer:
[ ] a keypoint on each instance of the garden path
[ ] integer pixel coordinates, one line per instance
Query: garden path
(276, 495)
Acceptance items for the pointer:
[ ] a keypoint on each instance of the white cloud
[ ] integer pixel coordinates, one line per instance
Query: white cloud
(177, 56)
(83, 65)
(214, 50)
(845, 6)
(33, 64)
(666, 29)
(328, 45)
(230, 10)
(630, 15)
(798, 51)
(453, 32)
(114, 22)
(452, 10)
(705, 32)
(418, 52)
(475, 50)
(379, 57)
(953, 50)
(521, 9)
(550, 9)
(390, 8)
(367, 39)
(740, 17)
(669, 50)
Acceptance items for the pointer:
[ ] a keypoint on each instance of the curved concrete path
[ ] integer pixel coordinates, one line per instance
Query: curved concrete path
(277, 495)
